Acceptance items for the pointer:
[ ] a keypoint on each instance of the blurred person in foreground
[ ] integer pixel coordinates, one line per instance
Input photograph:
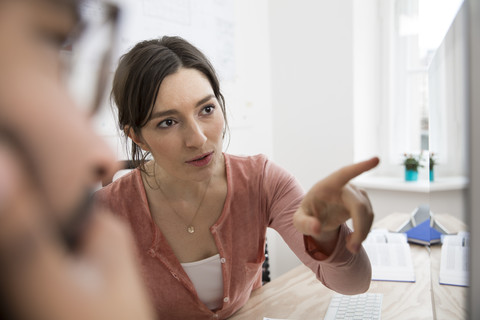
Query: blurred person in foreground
(60, 256)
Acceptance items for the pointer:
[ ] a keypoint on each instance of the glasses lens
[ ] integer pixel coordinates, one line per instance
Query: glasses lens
(89, 56)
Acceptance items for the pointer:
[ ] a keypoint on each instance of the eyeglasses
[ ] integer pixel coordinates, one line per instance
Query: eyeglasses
(89, 53)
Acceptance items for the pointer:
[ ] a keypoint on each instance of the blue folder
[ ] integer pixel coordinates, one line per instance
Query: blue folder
(423, 234)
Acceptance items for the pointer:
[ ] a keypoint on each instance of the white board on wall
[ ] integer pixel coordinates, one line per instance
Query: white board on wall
(208, 24)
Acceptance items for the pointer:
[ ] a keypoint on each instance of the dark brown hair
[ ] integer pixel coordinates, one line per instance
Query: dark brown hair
(140, 74)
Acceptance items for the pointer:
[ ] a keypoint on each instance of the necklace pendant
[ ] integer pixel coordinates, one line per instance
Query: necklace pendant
(190, 229)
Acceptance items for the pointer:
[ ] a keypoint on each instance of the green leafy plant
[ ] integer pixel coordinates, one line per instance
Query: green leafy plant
(411, 161)
(432, 160)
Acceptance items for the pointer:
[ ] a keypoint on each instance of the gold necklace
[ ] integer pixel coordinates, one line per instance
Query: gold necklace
(190, 227)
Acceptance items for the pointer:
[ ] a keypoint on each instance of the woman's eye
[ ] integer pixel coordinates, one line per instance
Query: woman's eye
(166, 123)
(208, 109)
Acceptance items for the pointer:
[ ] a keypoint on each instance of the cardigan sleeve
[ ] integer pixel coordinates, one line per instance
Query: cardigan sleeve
(342, 271)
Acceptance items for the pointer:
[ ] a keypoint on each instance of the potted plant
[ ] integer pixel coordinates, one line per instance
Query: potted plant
(432, 162)
(411, 163)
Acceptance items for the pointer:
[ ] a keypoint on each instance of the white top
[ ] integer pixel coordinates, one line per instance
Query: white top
(206, 276)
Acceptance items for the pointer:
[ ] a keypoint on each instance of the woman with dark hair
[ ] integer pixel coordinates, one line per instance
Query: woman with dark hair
(199, 215)
(138, 78)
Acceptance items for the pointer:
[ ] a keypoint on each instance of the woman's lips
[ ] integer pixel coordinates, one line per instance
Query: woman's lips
(202, 160)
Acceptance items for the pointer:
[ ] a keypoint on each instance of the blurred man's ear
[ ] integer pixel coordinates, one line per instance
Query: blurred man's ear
(136, 138)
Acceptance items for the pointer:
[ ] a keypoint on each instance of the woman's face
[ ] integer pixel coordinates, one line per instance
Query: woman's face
(185, 131)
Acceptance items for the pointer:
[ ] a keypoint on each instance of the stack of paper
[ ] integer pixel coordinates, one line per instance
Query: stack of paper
(454, 259)
(390, 256)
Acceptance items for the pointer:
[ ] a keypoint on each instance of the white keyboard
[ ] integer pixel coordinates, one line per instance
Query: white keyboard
(361, 306)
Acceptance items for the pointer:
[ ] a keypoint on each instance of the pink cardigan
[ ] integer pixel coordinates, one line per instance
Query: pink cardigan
(260, 195)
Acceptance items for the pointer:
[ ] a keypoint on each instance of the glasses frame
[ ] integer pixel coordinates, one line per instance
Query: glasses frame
(112, 18)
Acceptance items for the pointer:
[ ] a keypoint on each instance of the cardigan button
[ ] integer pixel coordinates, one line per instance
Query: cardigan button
(226, 299)
(215, 316)
(223, 260)
(152, 253)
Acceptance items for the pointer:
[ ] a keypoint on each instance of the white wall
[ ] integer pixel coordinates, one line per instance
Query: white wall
(249, 97)
(385, 201)
(312, 87)
(312, 81)
(367, 77)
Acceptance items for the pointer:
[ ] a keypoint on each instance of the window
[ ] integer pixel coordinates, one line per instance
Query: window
(412, 32)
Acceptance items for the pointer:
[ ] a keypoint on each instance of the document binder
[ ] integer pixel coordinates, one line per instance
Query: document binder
(422, 228)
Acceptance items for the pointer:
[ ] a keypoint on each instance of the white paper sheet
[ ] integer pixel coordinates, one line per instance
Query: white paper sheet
(390, 256)
(454, 259)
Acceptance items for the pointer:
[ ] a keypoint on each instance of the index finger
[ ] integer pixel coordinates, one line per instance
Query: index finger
(342, 176)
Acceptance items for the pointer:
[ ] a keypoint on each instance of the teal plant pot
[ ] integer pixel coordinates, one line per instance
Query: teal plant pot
(432, 175)
(411, 175)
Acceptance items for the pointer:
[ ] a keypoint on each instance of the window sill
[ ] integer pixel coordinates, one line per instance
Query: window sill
(398, 184)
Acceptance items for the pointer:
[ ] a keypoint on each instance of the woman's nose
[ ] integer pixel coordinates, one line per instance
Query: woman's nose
(194, 135)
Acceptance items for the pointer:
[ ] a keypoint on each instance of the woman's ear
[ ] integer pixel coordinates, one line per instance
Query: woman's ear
(136, 138)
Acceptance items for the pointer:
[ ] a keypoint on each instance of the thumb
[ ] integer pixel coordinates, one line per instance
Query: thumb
(362, 222)
(306, 224)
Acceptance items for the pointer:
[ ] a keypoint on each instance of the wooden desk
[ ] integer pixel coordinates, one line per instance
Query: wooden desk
(299, 295)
